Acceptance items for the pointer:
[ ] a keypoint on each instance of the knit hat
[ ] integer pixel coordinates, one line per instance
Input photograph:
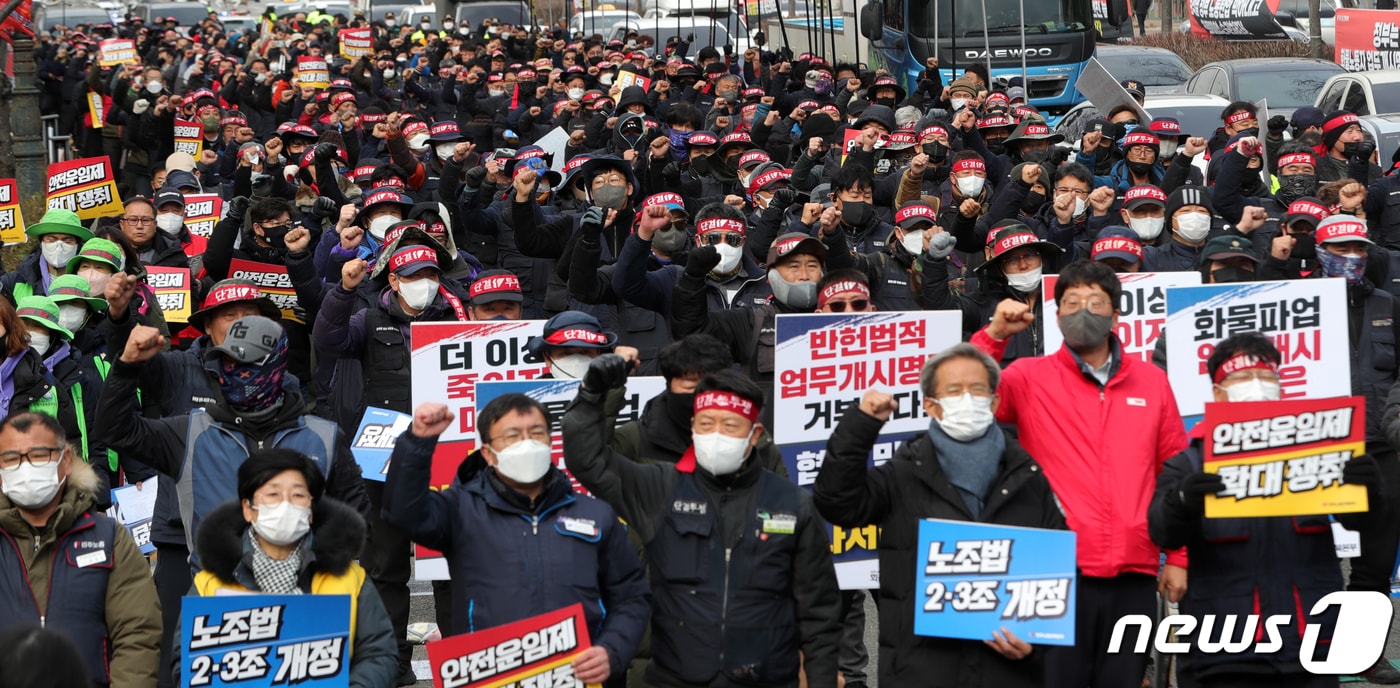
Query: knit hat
(1336, 123)
(1189, 195)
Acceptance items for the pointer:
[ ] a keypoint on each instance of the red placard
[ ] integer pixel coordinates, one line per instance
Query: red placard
(543, 646)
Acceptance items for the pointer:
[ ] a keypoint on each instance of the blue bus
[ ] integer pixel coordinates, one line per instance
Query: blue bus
(1049, 41)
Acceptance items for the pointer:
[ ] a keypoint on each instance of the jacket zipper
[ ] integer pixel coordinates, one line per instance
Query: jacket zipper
(724, 604)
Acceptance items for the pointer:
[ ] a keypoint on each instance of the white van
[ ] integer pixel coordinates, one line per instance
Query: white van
(707, 32)
(722, 11)
(589, 22)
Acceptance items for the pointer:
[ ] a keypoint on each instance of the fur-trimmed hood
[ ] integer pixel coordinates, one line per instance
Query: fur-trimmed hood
(337, 536)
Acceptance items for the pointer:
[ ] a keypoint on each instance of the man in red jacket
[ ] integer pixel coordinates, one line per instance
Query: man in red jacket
(1102, 424)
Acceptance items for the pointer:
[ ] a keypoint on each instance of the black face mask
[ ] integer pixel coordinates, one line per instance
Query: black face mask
(856, 214)
(1292, 187)
(936, 152)
(887, 102)
(276, 236)
(1231, 275)
(1304, 246)
(1034, 154)
(996, 146)
(1033, 201)
(701, 165)
(1252, 185)
(1252, 131)
(680, 408)
(1352, 149)
(1139, 168)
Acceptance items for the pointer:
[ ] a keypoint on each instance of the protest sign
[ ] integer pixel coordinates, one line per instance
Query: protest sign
(1306, 319)
(19, 23)
(265, 640)
(11, 219)
(850, 140)
(374, 441)
(172, 288)
(313, 72)
(554, 143)
(1284, 458)
(1236, 19)
(356, 43)
(135, 507)
(537, 651)
(274, 283)
(1142, 312)
(625, 79)
(114, 52)
(202, 212)
(448, 360)
(97, 109)
(825, 363)
(974, 579)
(1366, 40)
(1103, 90)
(86, 187)
(189, 137)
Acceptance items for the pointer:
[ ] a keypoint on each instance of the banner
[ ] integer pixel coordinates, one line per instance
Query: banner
(1284, 458)
(850, 140)
(20, 22)
(274, 283)
(114, 52)
(374, 441)
(537, 651)
(134, 507)
(265, 640)
(1236, 19)
(356, 43)
(189, 137)
(313, 72)
(1142, 312)
(556, 395)
(86, 186)
(448, 360)
(625, 79)
(202, 212)
(172, 288)
(11, 219)
(1367, 40)
(825, 363)
(1306, 319)
(97, 110)
(974, 579)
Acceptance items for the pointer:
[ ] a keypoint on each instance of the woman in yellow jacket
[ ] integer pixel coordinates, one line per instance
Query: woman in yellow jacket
(282, 538)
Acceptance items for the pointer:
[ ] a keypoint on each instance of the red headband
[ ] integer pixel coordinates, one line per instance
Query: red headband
(1242, 362)
(576, 334)
(934, 130)
(1238, 117)
(1340, 122)
(727, 401)
(497, 283)
(967, 164)
(1297, 159)
(719, 224)
(1118, 244)
(841, 287)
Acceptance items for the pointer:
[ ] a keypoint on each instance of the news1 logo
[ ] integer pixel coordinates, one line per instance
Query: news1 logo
(1363, 622)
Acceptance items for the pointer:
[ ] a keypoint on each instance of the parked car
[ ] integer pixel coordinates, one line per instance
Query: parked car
(1384, 130)
(589, 22)
(1294, 14)
(707, 32)
(1287, 82)
(70, 15)
(1364, 93)
(1160, 70)
(186, 14)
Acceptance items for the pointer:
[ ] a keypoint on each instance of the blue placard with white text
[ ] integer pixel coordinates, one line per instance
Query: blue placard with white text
(374, 441)
(976, 578)
(252, 641)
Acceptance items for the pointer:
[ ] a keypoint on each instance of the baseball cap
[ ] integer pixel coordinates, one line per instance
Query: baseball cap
(1134, 88)
(233, 291)
(169, 195)
(412, 259)
(915, 213)
(1339, 228)
(793, 243)
(1308, 116)
(1226, 246)
(495, 285)
(250, 339)
(573, 329)
(1117, 242)
(1144, 195)
(1306, 209)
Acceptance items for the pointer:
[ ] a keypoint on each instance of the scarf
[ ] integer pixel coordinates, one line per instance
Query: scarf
(275, 576)
(970, 466)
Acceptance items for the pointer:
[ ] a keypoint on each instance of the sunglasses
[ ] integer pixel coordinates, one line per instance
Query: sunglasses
(731, 238)
(857, 305)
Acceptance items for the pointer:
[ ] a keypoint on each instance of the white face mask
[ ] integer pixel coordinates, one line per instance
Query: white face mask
(418, 142)
(445, 150)
(31, 486)
(389, 74)
(571, 367)
(58, 253)
(605, 79)
(97, 280)
(39, 342)
(575, 94)
(719, 453)
(418, 293)
(282, 524)
(914, 242)
(1079, 206)
(728, 258)
(1024, 282)
(958, 103)
(71, 316)
(496, 92)
(379, 226)
(447, 26)
(971, 185)
(1193, 227)
(524, 462)
(1147, 228)
(153, 87)
(965, 418)
(390, 23)
(170, 223)
(1169, 149)
(1253, 390)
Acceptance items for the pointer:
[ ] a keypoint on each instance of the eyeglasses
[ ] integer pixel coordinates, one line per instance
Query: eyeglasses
(1238, 376)
(609, 180)
(515, 436)
(36, 456)
(64, 238)
(1029, 259)
(857, 305)
(731, 238)
(678, 225)
(1065, 189)
(138, 220)
(1141, 152)
(1095, 305)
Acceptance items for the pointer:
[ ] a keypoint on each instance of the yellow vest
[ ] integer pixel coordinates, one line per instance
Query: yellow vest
(208, 584)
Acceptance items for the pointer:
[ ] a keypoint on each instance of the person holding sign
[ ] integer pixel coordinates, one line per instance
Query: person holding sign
(1258, 566)
(80, 572)
(1102, 463)
(574, 550)
(282, 536)
(965, 468)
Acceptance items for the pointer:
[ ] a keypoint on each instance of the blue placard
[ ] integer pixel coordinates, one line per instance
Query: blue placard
(373, 443)
(265, 640)
(974, 579)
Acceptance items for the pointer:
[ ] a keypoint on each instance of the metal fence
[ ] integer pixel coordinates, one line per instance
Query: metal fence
(55, 145)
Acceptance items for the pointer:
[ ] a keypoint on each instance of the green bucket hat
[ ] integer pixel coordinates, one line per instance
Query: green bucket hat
(59, 221)
(65, 288)
(42, 310)
(98, 251)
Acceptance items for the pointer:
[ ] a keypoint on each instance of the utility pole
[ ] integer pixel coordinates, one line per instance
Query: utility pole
(1315, 28)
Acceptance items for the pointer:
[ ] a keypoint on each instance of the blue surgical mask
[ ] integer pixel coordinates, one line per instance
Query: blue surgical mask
(678, 140)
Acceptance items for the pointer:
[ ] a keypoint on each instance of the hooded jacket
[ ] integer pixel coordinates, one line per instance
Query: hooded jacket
(129, 647)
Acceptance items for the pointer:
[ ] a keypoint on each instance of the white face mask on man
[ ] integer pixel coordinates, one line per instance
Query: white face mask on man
(966, 417)
(525, 461)
(418, 293)
(719, 453)
(30, 486)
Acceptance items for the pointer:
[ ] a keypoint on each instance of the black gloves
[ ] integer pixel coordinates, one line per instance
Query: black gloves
(1360, 151)
(325, 152)
(701, 261)
(237, 206)
(782, 198)
(592, 223)
(1191, 492)
(606, 372)
(1277, 125)
(474, 177)
(1363, 470)
(325, 208)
